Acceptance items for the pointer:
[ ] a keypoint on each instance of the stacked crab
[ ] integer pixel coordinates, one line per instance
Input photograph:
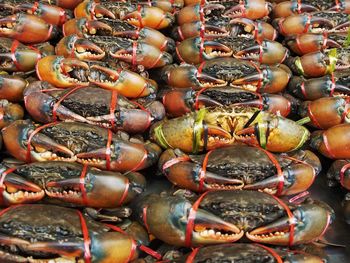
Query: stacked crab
(105, 106)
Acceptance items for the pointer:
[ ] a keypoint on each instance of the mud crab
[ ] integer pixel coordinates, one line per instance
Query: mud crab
(228, 71)
(98, 47)
(246, 252)
(118, 28)
(178, 102)
(43, 229)
(92, 105)
(70, 72)
(232, 168)
(226, 216)
(84, 143)
(215, 127)
(133, 13)
(199, 49)
(69, 183)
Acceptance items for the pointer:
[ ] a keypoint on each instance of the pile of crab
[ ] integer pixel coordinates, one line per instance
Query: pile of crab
(100, 99)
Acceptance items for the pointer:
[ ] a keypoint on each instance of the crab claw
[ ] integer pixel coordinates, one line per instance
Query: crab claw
(193, 29)
(316, 88)
(170, 224)
(51, 14)
(127, 83)
(83, 27)
(268, 52)
(77, 47)
(43, 148)
(11, 87)
(26, 28)
(196, 50)
(308, 42)
(252, 9)
(9, 112)
(18, 190)
(333, 143)
(288, 8)
(317, 64)
(125, 156)
(143, 54)
(192, 13)
(299, 24)
(63, 72)
(310, 222)
(152, 17)
(67, 4)
(188, 175)
(114, 246)
(259, 29)
(275, 133)
(149, 36)
(40, 107)
(186, 76)
(130, 120)
(272, 79)
(91, 10)
(99, 187)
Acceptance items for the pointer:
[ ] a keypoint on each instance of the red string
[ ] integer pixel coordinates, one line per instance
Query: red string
(191, 218)
(327, 146)
(14, 46)
(333, 85)
(312, 117)
(82, 184)
(272, 252)
(108, 149)
(303, 91)
(258, 86)
(203, 171)
(55, 106)
(308, 23)
(280, 176)
(28, 157)
(342, 174)
(291, 220)
(144, 217)
(87, 241)
(2, 186)
(191, 256)
(112, 107)
(196, 105)
(34, 7)
(134, 54)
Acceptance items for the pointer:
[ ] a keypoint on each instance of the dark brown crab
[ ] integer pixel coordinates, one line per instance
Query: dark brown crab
(61, 181)
(199, 49)
(228, 72)
(92, 105)
(241, 167)
(84, 143)
(46, 233)
(224, 216)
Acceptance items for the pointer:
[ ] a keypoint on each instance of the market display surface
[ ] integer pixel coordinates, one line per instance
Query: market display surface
(174, 131)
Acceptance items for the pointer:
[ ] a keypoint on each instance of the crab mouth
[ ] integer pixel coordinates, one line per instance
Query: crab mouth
(124, 55)
(216, 186)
